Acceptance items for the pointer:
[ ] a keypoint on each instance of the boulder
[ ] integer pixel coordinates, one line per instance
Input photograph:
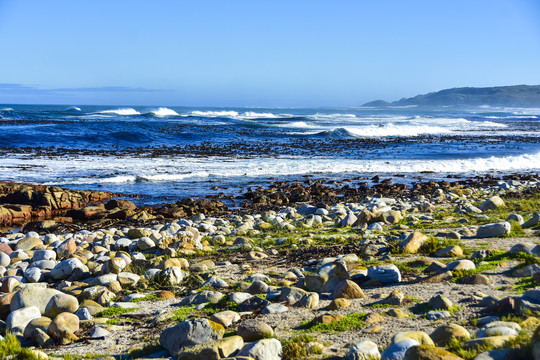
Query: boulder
(266, 349)
(492, 203)
(349, 290)
(17, 320)
(364, 350)
(413, 242)
(443, 334)
(190, 333)
(252, 330)
(493, 230)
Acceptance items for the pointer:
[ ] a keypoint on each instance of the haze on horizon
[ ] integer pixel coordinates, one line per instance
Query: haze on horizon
(247, 53)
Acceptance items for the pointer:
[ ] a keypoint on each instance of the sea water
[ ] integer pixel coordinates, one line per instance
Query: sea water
(169, 153)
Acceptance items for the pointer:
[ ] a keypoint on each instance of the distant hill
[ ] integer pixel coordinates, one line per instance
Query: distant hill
(518, 95)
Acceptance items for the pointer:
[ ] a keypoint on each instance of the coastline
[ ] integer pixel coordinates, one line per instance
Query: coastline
(318, 266)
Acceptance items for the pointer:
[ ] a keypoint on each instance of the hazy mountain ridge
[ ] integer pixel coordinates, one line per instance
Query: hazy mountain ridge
(517, 95)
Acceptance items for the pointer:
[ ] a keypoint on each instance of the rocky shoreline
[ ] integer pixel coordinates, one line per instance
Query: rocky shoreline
(436, 270)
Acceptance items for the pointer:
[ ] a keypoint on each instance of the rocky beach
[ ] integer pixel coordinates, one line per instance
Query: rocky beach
(312, 268)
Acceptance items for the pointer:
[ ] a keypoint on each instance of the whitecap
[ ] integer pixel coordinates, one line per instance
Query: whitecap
(123, 112)
(6, 110)
(214, 113)
(163, 112)
(73, 108)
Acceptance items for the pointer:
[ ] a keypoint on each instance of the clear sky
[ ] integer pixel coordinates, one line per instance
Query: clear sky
(261, 53)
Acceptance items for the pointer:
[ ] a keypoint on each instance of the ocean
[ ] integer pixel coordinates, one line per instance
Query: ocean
(169, 153)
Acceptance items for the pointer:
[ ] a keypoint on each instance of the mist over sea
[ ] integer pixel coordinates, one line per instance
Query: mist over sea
(168, 153)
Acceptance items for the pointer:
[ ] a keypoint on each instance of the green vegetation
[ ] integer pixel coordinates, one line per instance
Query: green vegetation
(354, 321)
(113, 310)
(517, 230)
(524, 284)
(11, 346)
(296, 348)
(222, 305)
(149, 297)
(182, 314)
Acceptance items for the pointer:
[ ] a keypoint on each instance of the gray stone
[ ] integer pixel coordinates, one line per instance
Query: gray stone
(437, 314)
(225, 318)
(348, 220)
(97, 332)
(188, 333)
(495, 331)
(525, 271)
(44, 264)
(493, 230)
(460, 265)
(274, 309)
(492, 203)
(254, 303)
(364, 350)
(527, 248)
(388, 273)
(216, 282)
(66, 268)
(17, 320)
(44, 255)
(84, 314)
(171, 276)
(258, 287)
(440, 302)
(5, 260)
(397, 351)
(266, 349)
(33, 274)
(499, 354)
(239, 297)
(252, 330)
(533, 221)
(204, 296)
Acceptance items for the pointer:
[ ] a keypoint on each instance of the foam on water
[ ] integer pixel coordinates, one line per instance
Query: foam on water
(112, 170)
(214, 113)
(163, 112)
(123, 112)
(73, 108)
(6, 110)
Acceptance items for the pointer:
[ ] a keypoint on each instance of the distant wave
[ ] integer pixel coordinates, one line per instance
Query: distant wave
(163, 112)
(339, 133)
(337, 116)
(73, 108)
(248, 115)
(214, 113)
(122, 179)
(6, 110)
(296, 125)
(123, 112)
(382, 131)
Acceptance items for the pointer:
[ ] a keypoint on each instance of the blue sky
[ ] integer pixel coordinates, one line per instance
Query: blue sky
(261, 53)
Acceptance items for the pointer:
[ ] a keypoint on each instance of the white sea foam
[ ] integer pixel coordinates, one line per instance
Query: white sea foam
(214, 113)
(390, 130)
(123, 112)
(163, 112)
(6, 110)
(256, 115)
(98, 170)
(73, 108)
(336, 116)
(296, 125)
